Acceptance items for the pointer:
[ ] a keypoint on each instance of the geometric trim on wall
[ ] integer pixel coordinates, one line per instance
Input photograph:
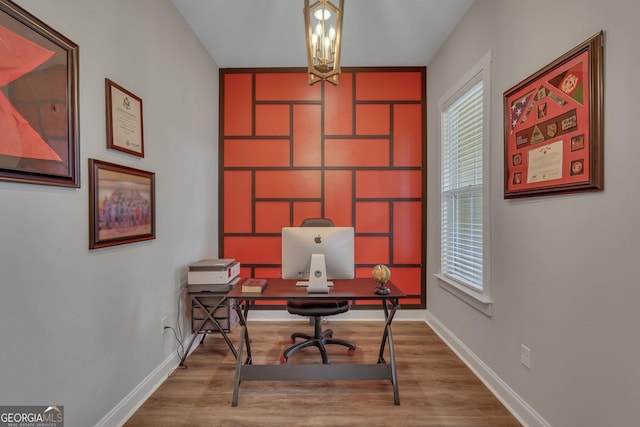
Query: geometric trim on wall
(355, 153)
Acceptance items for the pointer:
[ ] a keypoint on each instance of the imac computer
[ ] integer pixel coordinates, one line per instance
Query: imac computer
(316, 255)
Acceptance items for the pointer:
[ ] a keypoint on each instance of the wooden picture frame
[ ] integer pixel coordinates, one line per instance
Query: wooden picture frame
(121, 204)
(39, 123)
(553, 126)
(124, 120)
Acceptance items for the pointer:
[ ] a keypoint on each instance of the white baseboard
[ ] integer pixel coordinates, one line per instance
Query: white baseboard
(509, 398)
(132, 401)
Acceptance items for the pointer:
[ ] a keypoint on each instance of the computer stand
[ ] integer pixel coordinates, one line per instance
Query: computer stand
(318, 275)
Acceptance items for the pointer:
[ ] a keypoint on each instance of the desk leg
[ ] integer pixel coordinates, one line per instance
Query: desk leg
(210, 313)
(226, 338)
(244, 342)
(242, 309)
(388, 316)
(387, 336)
(186, 350)
(236, 380)
(394, 377)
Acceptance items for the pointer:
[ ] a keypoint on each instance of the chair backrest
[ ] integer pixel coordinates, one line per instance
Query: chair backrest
(317, 222)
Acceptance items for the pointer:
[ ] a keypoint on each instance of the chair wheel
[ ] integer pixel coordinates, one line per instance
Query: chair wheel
(351, 351)
(283, 359)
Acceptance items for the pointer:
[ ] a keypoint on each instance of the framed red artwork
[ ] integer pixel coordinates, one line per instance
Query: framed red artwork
(553, 126)
(39, 138)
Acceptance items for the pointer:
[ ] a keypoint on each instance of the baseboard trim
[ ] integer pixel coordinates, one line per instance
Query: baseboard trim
(509, 398)
(132, 401)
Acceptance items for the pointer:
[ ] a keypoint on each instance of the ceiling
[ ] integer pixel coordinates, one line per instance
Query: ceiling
(270, 33)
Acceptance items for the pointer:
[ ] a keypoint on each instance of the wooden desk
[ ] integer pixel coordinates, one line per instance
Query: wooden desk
(354, 289)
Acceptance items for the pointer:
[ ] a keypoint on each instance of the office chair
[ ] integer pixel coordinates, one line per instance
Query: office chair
(316, 310)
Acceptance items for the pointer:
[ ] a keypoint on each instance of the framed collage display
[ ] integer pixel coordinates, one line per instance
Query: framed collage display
(553, 126)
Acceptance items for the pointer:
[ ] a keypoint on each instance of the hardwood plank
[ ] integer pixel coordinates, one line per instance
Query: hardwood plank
(436, 387)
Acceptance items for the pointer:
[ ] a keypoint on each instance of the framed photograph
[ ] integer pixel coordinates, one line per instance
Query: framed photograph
(553, 126)
(39, 129)
(124, 120)
(121, 205)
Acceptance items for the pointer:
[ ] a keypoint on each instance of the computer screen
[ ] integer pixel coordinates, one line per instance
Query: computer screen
(335, 243)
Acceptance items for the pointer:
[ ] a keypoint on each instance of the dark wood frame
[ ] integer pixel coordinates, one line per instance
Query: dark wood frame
(592, 51)
(111, 143)
(97, 217)
(66, 172)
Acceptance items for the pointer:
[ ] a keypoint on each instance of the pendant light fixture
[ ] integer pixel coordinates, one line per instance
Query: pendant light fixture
(323, 26)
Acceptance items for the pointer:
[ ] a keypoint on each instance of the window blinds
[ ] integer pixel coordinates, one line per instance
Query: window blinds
(462, 131)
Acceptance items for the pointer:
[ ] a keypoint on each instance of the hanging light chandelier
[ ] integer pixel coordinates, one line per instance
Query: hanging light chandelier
(323, 26)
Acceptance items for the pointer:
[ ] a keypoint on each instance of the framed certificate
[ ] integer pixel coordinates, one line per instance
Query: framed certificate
(124, 120)
(553, 126)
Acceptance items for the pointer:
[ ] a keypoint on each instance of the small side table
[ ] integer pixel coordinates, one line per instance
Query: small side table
(211, 313)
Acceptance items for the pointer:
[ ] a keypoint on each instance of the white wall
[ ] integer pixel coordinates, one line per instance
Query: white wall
(565, 268)
(80, 328)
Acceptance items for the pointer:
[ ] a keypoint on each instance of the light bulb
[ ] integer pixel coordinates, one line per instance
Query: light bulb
(332, 33)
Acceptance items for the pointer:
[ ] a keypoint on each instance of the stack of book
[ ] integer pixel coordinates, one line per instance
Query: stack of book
(254, 285)
(213, 275)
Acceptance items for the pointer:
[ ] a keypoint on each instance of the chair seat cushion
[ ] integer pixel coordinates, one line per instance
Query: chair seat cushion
(317, 307)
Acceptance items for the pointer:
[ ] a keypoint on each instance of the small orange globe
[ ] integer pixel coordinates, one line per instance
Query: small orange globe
(381, 273)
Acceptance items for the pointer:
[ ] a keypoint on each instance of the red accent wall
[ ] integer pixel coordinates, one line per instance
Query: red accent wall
(354, 153)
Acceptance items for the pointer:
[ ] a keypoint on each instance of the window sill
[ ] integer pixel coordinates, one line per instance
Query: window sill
(474, 299)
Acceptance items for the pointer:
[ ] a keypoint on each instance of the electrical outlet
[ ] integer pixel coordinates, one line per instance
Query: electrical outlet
(525, 356)
(163, 324)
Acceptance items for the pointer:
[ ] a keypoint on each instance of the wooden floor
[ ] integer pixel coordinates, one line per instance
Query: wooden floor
(436, 388)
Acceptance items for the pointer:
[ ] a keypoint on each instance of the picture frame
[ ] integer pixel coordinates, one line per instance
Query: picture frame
(553, 126)
(39, 120)
(124, 119)
(121, 204)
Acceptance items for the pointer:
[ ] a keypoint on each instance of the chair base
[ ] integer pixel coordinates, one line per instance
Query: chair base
(320, 339)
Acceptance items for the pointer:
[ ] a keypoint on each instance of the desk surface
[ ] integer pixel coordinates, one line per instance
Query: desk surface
(277, 289)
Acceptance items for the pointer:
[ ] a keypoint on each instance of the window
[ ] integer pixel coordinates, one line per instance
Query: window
(464, 114)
